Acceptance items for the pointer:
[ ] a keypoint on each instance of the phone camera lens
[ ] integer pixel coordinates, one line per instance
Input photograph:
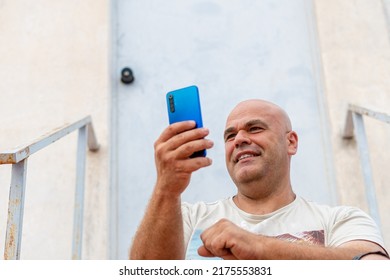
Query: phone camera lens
(171, 103)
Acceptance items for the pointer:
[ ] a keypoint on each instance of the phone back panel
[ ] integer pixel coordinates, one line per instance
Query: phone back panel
(184, 105)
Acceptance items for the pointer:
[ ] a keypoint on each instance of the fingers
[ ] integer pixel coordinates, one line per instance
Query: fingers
(183, 139)
(226, 240)
(185, 146)
(225, 254)
(202, 251)
(172, 155)
(215, 241)
(175, 129)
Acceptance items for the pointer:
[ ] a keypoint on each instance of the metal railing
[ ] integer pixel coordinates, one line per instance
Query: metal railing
(354, 126)
(18, 158)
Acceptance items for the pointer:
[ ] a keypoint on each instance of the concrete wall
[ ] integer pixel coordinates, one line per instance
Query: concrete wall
(355, 51)
(54, 70)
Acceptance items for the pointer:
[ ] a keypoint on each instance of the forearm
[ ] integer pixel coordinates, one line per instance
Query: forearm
(160, 234)
(229, 241)
(276, 249)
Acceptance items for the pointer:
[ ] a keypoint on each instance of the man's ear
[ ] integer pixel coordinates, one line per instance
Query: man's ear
(292, 138)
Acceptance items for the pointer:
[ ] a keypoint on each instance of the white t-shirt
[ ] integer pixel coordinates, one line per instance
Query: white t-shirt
(300, 221)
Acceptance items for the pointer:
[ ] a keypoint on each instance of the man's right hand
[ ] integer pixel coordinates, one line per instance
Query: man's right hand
(172, 156)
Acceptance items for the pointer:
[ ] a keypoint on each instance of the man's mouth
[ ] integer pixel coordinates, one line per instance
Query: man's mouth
(244, 155)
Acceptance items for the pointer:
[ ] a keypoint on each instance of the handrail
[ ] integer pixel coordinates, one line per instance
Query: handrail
(354, 126)
(18, 158)
(17, 154)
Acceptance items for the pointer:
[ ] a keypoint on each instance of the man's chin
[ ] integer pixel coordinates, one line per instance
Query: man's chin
(246, 175)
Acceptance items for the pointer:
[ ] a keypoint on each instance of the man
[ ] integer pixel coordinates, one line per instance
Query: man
(265, 220)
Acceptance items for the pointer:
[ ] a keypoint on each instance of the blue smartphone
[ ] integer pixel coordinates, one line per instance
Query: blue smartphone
(184, 105)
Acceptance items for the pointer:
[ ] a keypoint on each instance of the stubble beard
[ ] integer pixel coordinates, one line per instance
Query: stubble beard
(256, 181)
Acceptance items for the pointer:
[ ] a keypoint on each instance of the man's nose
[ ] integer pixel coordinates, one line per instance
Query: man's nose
(242, 137)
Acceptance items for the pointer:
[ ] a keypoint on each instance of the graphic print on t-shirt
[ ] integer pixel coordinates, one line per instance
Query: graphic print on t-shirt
(315, 237)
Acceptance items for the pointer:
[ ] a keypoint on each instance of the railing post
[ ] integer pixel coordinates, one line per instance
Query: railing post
(79, 195)
(18, 158)
(13, 238)
(362, 144)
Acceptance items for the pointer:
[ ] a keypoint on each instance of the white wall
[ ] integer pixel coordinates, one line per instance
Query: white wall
(355, 47)
(54, 70)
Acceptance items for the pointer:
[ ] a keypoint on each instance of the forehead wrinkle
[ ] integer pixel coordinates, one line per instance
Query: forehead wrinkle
(256, 121)
(247, 125)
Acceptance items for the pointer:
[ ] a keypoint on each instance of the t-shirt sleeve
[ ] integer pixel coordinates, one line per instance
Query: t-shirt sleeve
(351, 223)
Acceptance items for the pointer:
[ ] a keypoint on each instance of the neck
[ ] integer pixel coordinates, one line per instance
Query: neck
(265, 203)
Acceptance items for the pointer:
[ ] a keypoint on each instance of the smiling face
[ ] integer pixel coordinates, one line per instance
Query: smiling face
(259, 143)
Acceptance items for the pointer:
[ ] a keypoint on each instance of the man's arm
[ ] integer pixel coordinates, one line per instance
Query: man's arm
(160, 234)
(228, 241)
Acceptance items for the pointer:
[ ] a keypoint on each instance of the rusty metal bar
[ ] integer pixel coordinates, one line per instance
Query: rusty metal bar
(15, 211)
(17, 154)
(354, 126)
(18, 158)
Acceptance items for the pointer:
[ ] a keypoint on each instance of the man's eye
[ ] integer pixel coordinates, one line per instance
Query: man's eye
(230, 137)
(255, 129)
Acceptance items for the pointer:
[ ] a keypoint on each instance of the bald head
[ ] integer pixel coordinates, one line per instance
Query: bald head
(262, 109)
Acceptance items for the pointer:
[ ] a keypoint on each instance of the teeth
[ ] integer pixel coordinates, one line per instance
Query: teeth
(245, 156)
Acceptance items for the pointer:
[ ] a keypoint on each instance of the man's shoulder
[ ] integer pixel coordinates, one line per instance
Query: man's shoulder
(334, 210)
